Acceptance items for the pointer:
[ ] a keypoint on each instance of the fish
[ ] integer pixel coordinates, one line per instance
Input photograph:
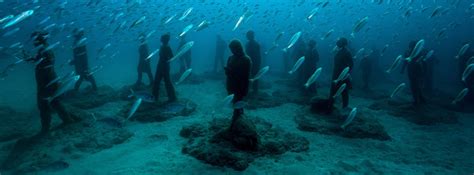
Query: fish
(293, 40)
(52, 46)
(339, 91)
(297, 65)
(260, 73)
(94, 70)
(343, 75)
(240, 105)
(152, 54)
(349, 118)
(327, 34)
(6, 18)
(359, 53)
(460, 96)
(137, 22)
(228, 100)
(169, 19)
(436, 11)
(134, 108)
(57, 79)
(103, 48)
(239, 22)
(395, 64)
(463, 50)
(416, 51)
(204, 24)
(11, 32)
(313, 77)
(312, 13)
(359, 25)
(467, 72)
(145, 96)
(81, 42)
(185, 48)
(150, 33)
(184, 76)
(397, 89)
(22, 16)
(428, 55)
(63, 88)
(186, 13)
(186, 30)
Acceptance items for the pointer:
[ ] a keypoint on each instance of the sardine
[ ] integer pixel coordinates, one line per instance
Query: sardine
(184, 76)
(395, 64)
(399, 88)
(63, 88)
(417, 50)
(460, 96)
(186, 30)
(359, 25)
(152, 54)
(313, 77)
(260, 73)
(467, 72)
(186, 13)
(134, 108)
(293, 40)
(19, 18)
(463, 50)
(349, 118)
(297, 65)
(343, 75)
(185, 48)
(339, 91)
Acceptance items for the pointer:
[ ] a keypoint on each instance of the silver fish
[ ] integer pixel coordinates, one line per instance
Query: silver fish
(339, 91)
(186, 13)
(184, 76)
(11, 32)
(460, 96)
(467, 72)
(395, 64)
(463, 50)
(186, 30)
(228, 100)
(359, 25)
(343, 75)
(239, 22)
(19, 18)
(63, 88)
(260, 73)
(297, 65)
(349, 118)
(204, 24)
(416, 51)
(399, 88)
(152, 54)
(313, 77)
(293, 40)
(134, 108)
(185, 48)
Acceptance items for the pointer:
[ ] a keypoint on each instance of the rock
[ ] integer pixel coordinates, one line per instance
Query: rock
(15, 125)
(63, 143)
(90, 99)
(152, 112)
(428, 114)
(219, 145)
(321, 105)
(244, 134)
(262, 100)
(363, 126)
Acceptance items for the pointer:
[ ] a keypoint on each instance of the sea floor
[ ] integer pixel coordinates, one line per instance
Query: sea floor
(156, 147)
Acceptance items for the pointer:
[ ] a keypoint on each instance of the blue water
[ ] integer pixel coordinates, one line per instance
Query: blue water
(391, 25)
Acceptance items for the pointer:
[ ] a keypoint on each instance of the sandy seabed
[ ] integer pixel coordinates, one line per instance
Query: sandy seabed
(413, 149)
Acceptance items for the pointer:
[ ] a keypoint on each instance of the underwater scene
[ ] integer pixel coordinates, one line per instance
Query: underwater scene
(285, 87)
